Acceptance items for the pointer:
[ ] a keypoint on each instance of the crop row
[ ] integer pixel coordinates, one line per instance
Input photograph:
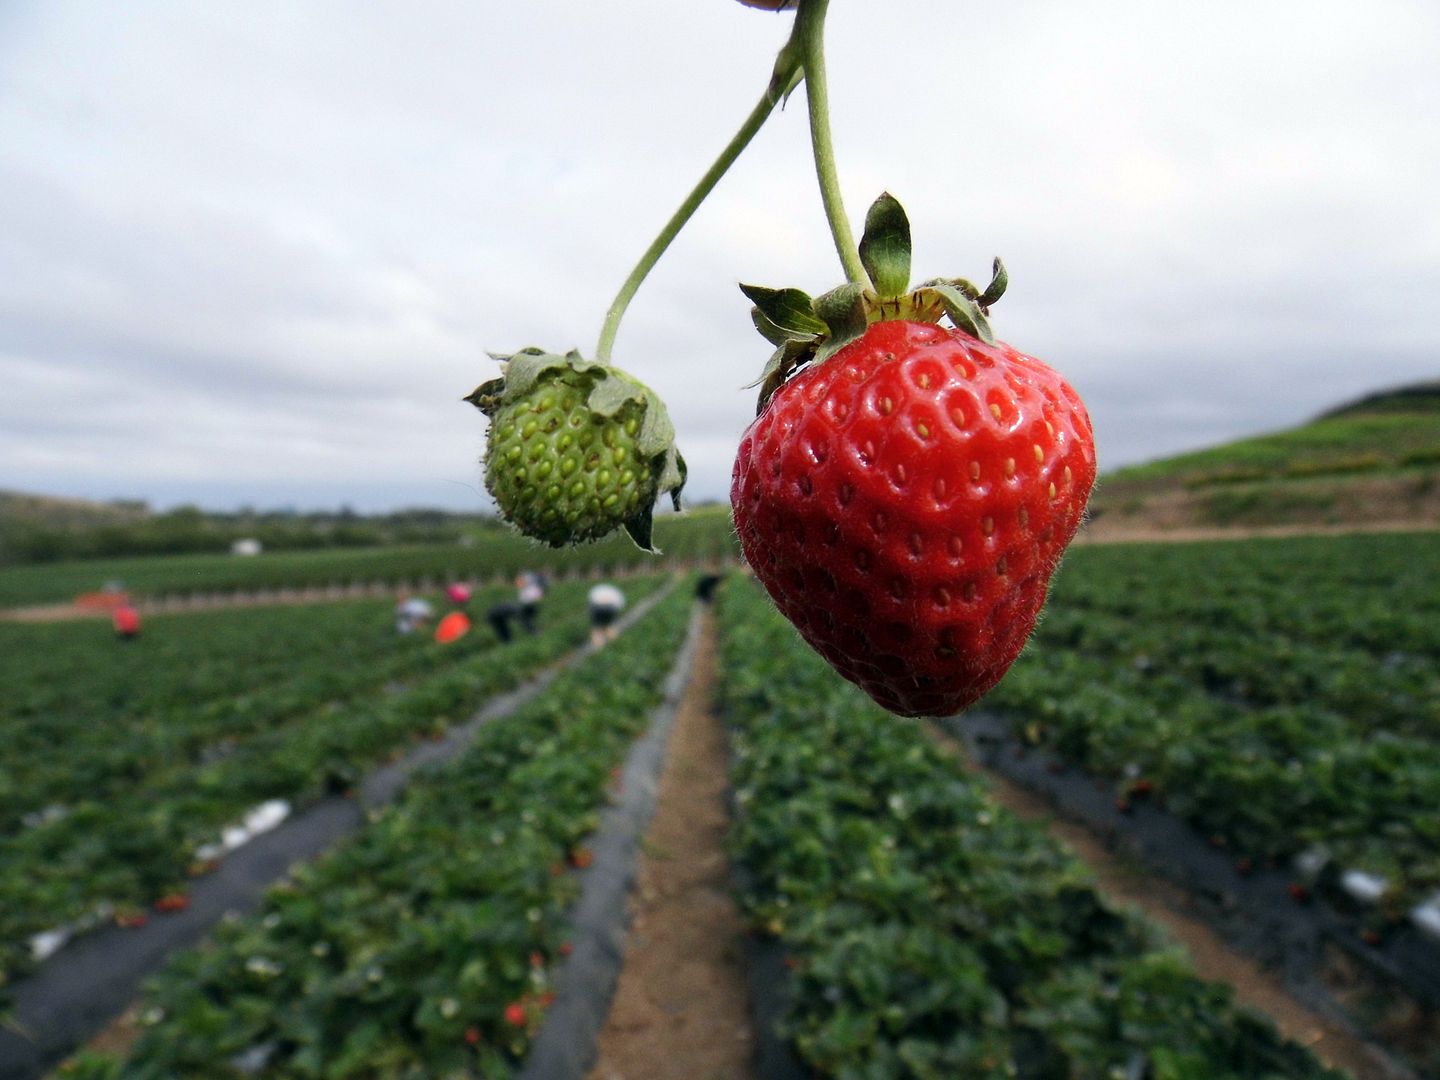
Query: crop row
(424, 947)
(190, 688)
(1374, 592)
(929, 933)
(1249, 724)
(702, 534)
(1399, 693)
(137, 845)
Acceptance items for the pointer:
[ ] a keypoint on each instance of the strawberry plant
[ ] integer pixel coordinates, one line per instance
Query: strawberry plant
(424, 946)
(138, 840)
(930, 933)
(1289, 706)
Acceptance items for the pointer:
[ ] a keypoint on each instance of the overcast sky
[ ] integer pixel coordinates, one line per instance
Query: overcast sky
(256, 252)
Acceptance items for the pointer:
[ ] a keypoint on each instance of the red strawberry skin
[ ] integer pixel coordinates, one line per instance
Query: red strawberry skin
(905, 504)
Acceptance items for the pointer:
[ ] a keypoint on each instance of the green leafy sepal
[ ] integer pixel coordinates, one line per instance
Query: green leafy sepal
(808, 330)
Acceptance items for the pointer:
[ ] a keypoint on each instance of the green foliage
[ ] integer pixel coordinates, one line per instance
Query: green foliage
(698, 534)
(36, 529)
(170, 738)
(397, 955)
(1350, 443)
(1280, 694)
(930, 933)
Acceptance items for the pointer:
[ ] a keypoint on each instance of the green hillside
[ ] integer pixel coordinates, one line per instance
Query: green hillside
(1373, 460)
(1395, 430)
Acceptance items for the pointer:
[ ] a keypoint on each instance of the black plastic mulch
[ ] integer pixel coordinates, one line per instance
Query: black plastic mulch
(94, 978)
(1254, 911)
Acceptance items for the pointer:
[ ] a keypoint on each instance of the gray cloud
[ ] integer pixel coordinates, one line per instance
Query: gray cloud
(257, 256)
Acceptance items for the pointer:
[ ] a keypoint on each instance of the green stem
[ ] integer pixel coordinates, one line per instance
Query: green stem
(787, 75)
(810, 29)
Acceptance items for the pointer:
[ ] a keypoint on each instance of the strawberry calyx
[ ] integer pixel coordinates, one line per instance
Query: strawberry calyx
(611, 394)
(808, 330)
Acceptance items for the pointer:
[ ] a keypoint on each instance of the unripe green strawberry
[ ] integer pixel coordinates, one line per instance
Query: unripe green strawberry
(576, 449)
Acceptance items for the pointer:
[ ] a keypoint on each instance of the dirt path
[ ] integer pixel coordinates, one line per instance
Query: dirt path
(1212, 957)
(681, 1009)
(323, 594)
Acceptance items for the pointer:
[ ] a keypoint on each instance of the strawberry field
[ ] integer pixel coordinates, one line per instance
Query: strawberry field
(928, 932)
(700, 536)
(1283, 696)
(171, 741)
(1276, 699)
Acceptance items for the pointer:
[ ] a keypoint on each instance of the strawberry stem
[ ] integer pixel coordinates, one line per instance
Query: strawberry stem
(810, 30)
(786, 76)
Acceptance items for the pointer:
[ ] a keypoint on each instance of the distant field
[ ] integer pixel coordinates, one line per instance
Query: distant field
(1375, 461)
(1378, 442)
(695, 535)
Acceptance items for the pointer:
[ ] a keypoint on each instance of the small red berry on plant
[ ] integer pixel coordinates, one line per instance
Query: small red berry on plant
(515, 1014)
(907, 489)
(472, 1036)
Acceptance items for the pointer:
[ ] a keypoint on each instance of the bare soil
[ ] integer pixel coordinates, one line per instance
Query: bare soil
(681, 1009)
(1126, 885)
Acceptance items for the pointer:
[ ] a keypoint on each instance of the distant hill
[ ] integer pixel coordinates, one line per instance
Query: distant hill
(44, 528)
(1375, 460)
(62, 513)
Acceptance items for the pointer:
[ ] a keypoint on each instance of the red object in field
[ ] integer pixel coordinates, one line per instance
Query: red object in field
(452, 627)
(458, 593)
(126, 621)
(101, 601)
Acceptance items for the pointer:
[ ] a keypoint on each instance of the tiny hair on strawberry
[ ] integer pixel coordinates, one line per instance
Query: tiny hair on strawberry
(907, 488)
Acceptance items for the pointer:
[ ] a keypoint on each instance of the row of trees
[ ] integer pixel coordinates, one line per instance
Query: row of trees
(28, 538)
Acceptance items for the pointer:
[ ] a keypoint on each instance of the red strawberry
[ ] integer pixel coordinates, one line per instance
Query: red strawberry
(515, 1014)
(472, 1036)
(906, 496)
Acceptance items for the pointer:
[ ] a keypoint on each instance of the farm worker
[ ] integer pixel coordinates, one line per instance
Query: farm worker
(605, 602)
(530, 590)
(411, 613)
(499, 618)
(126, 621)
(458, 593)
(452, 627)
(706, 586)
